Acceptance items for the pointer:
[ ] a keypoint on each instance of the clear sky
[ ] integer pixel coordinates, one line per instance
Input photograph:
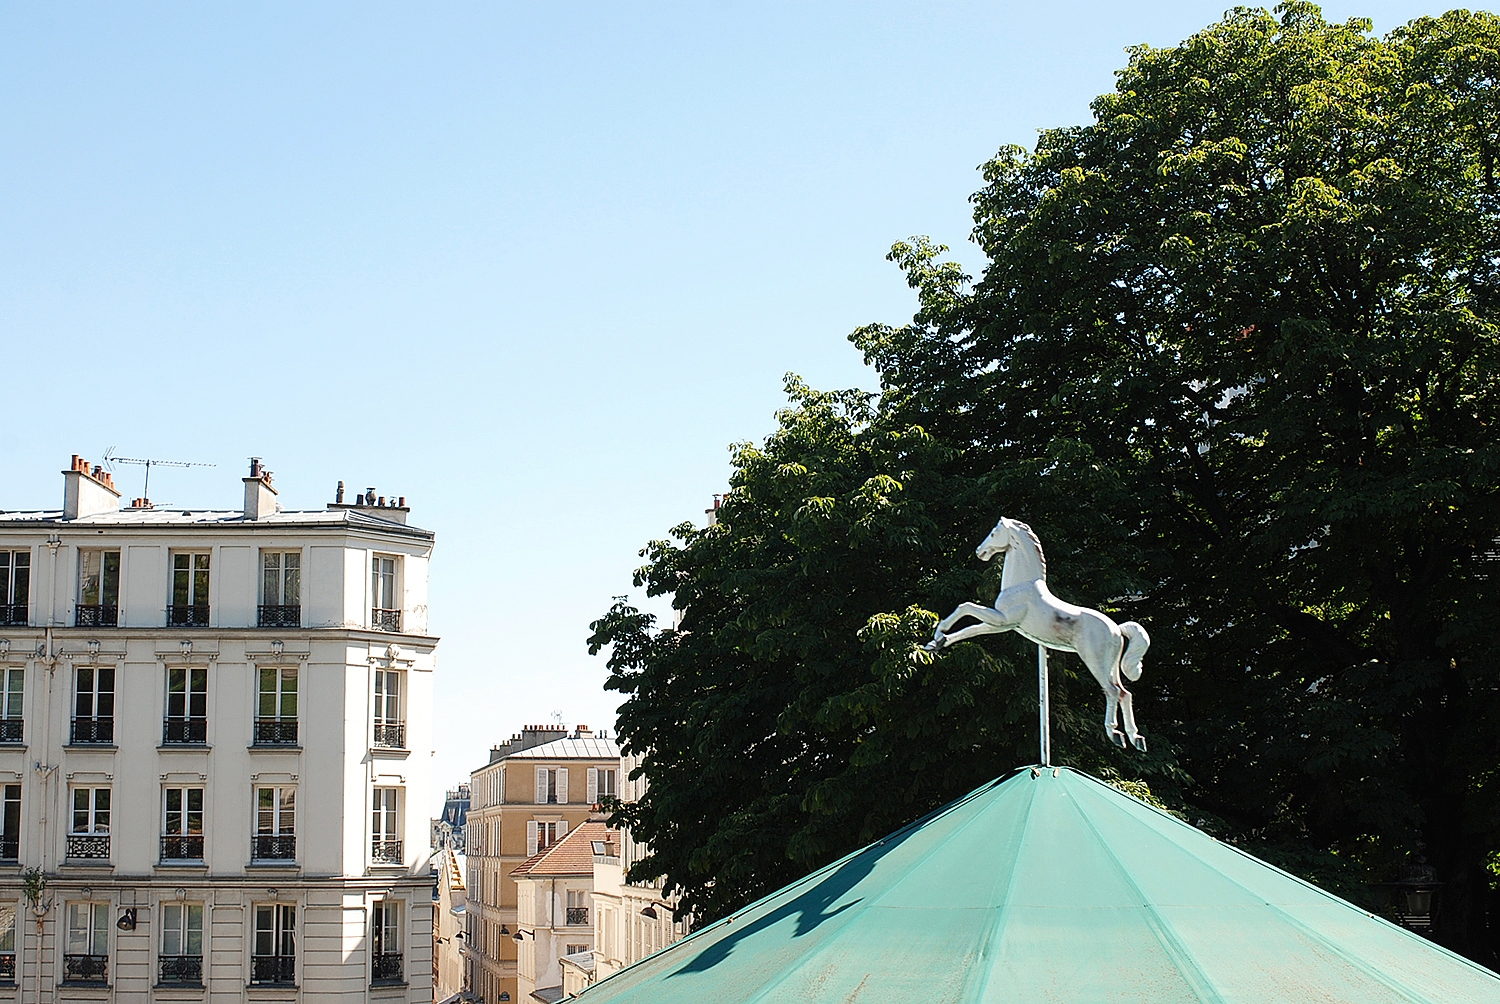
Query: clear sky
(533, 267)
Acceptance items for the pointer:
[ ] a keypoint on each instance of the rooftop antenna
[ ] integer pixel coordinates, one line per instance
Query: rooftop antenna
(110, 459)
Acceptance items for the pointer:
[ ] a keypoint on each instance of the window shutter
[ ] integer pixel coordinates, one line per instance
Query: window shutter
(541, 787)
(562, 785)
(593, 785)
(530, 837)
(562, 829)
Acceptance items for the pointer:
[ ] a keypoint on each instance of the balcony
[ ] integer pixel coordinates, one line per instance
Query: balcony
(93, 731)
(184, 731)
(12, 614)
(390, 736)
(10, 847)
(387, 968)
(182, 847)
(88, 846)
(273, 847)
(85, 968)
(96, 615)
(275, 732)
(12, 730)
(180, 970)
(286, 615)
(189, 616)
(577, 915)
(7, 967)
(386, 852)
(382, 619)
(280, 970)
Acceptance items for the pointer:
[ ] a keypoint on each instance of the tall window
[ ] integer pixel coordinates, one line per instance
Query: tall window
(88, 836)
(275, 947)
(189, 591)
(182, 825)
(281, 589)
(12, 724)
(578, 907)
(10, 822)
(98, 589)
(385, 607)
(275, 823)
(540, 835)
(181, 944)
(276, 710)
(385, 934)
(601, 782)
(385, 840)
(389, 730)
(551, 785)
(187, 705)
(15, 586)
(94, 705)
(7, 942)
(87, 953)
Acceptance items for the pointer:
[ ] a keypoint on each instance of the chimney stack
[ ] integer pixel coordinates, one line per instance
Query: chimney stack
(88, 492)
(260, 497)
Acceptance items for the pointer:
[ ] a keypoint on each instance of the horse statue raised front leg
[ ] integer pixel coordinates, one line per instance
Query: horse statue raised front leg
(1025, 605)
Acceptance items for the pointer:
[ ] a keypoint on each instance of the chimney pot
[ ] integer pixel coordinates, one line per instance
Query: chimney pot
(338, 496)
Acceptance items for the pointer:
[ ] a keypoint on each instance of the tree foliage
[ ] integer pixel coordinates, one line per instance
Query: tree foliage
(1234, 355)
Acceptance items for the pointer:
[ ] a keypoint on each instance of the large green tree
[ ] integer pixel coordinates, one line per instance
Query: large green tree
(1234, 354)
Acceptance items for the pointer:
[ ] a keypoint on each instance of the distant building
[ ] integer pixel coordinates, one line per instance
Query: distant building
(554, 917)
(451, 901)
(448, 829)
(534, 791)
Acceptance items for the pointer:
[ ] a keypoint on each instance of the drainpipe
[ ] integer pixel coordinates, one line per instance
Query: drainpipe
(44, 770)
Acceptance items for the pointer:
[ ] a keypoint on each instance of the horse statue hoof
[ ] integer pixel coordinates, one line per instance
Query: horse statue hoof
(1118, 738)
(1140, 743)
(936, 645)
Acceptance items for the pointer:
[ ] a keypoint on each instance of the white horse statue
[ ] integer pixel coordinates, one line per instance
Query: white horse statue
(1025, 605)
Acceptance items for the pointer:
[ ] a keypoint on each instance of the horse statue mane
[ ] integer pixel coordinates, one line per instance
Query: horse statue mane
(1041, 555)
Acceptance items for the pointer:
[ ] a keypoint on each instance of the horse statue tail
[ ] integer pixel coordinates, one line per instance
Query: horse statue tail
(1136, 643)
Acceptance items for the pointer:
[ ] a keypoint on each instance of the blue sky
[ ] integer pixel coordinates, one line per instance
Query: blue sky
(534, 268)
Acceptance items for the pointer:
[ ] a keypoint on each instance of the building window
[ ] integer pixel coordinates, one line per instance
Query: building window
(601, 781)
(98, 589)
(385, 840)
(385, 608)
(551, 785)
(89, 835)
(578, 907)
(275, 836)
(542, 835)
(94, 705)
(15, 587)
(7, 943)
(275, 949)
(577, 949)
(12, 725)
(181, 961)
(189, 606)
(86, 958)
(385, 933)
(187, 705)
(390, 732)
(276, 712)
(281, 589)
(10, 822)
(182, 829)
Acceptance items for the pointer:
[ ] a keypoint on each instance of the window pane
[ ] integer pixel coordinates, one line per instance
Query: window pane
(289, 693)
(180, 581)
(193, 929)
(264, 930)
(99, 943)
(80, 810)
(171, 929)
(78, 928)
(105, 706)
(198, 693)
(88, 577)
(7, 929)
(265, 810)
(288, 810)
(270, 593)
(84, 707)
(15, 692)
(267, 708)
(109, 592)
(101, 810)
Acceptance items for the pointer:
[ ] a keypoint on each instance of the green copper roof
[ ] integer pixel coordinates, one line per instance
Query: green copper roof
(1055, 889)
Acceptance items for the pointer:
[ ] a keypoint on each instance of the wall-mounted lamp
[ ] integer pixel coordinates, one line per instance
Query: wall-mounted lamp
(519, 936)
(504, 929)
(127, 919)
(649, 911)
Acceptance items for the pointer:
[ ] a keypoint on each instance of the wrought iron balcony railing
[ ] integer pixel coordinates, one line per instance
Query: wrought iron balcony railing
(182, 847)
(93, 731)
(386, 852)
(387, 968)
(275, 732)
(85, 968)
(93, 846)
(280, 969)
(13, 614)
(180, 970)
(282, 615)
(390, 735)
(184, 731)
(7, 967)
(273, 847)
(195, 615)
(382, 619)
(12, 730)
(10, 846)
(578, 915)
(96, 615)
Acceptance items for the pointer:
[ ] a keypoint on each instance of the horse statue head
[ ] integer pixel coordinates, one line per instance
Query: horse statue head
(1011, 534)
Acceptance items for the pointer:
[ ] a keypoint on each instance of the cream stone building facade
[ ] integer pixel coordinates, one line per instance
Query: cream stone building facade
(554, 911)
(214, 749)
(534, 791)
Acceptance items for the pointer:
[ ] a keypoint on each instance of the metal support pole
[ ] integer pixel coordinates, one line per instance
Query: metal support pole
(1045, 705)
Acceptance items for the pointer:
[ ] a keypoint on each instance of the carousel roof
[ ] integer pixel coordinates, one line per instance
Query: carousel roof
(1051, 886)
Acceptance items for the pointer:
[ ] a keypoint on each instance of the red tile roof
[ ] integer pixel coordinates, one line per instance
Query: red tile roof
(572, 855)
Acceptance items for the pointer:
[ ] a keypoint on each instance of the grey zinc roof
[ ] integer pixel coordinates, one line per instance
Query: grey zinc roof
(591, 748)
(219, 518)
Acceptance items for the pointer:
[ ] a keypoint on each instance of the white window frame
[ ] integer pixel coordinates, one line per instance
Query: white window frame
(192, 568)
(390, 692)
(536, 829)
(385, 581)
(92, 811)
(385, 926)
(281, 931)
(8, 577)
(280, 674)
(101, 586)
(184, 810)
(189, 675)
(287, 571)
(15, 692)
(283, 807)
(596, 786)
(95, 692)
(385, 814)
(8, 928)
(93, 934)
(177, 925)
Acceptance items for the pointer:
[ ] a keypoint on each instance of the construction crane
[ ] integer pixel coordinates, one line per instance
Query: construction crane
(110, 459)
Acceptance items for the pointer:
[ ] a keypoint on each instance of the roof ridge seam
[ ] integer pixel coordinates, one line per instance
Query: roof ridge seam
(1002, 915)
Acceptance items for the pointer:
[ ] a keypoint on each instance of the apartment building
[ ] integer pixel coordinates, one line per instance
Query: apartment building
(554, 911)
(214, 749)
(535, 789)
